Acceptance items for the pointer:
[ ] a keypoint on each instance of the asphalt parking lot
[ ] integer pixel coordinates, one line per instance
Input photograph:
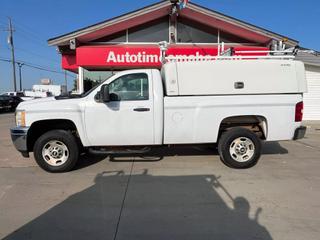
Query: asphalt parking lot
(176, 193)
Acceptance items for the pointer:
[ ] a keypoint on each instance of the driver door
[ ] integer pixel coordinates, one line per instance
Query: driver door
(127, 120)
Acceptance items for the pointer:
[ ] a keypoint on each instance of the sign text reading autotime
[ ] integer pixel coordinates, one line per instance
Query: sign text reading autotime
(139, 57)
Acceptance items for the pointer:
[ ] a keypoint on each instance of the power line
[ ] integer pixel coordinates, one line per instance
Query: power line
(34, 64)
(32, 35)
(3, 22)
(48, 70)
(26, 28)
(26, 32)
(32, 40)
(55, 61)
(37, 55)
(37, 67)
(6, 48)
(40, 66)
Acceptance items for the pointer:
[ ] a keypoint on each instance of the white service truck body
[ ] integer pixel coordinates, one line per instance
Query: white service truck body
(185, 103)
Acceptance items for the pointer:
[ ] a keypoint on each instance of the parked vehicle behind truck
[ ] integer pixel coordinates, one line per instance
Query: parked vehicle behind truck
(9, 103)
(20, 95)
(235, 103)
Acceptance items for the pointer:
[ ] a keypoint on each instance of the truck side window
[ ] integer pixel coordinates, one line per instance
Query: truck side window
(131, 87)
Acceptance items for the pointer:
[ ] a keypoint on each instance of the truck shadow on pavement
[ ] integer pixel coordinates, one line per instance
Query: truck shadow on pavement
(142, 206)
(273, 148)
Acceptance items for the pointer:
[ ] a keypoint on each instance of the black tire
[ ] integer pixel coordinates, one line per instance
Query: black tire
(62, 136)
(227, 139)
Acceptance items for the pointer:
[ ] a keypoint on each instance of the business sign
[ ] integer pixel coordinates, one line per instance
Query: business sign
(126, 56)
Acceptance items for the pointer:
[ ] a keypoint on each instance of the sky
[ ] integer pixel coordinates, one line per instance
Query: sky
(35, 21)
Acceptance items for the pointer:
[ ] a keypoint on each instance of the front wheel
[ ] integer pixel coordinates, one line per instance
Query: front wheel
(239, 148)
(56, 151)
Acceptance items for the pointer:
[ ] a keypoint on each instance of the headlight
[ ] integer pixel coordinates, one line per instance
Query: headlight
(20, 118)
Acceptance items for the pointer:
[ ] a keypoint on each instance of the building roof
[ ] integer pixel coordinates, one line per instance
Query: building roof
(223, 17)
(309, 57)
(63, 39)
(163, 8)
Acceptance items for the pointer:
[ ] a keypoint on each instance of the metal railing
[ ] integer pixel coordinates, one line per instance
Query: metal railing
(197, 58)
(229, 54)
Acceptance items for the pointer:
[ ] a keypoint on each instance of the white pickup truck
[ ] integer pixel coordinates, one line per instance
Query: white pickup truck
(235, 103)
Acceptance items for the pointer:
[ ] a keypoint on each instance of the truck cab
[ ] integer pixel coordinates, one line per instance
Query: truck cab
(134, 109)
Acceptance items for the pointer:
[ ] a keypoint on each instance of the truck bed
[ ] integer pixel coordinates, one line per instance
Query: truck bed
(196, 119)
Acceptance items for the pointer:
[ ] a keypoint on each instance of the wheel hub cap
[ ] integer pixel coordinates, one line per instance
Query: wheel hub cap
(55, 153)
(242, 149)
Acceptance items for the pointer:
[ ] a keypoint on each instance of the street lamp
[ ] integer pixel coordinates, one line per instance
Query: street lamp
(20, 66)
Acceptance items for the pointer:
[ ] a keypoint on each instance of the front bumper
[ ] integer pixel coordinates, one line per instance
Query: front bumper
(19, 139)
(299, 133)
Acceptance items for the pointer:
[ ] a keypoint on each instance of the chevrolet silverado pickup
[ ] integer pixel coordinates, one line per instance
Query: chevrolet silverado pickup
(234, 103)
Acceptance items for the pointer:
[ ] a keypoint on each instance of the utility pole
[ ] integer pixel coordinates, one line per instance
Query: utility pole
(65, 80)
(20, 76)
(10, 42)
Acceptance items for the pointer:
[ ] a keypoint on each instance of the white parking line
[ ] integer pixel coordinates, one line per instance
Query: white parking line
(4, 191)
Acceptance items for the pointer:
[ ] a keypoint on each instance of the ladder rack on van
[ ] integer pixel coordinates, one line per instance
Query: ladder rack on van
(235, 55)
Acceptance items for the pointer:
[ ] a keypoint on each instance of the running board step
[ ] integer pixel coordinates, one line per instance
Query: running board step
(124, 151)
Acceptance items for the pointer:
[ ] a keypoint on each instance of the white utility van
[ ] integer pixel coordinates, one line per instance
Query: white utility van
(235, 103)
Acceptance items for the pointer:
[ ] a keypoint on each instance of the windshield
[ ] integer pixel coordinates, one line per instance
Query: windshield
(95, 87)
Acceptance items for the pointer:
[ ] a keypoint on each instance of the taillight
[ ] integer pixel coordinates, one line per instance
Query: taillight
(299, 112)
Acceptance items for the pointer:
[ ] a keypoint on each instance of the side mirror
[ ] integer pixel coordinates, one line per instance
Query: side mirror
(114, 97)
(97, 97)
(104, 93)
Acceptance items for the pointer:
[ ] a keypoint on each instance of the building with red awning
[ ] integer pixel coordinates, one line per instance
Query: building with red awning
(132, 40)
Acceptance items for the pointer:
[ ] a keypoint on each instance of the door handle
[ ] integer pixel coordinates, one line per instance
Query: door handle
(141, 109)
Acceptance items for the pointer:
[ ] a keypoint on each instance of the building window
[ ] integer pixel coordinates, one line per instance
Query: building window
(114, 38)
(191, 32)
(154, 31)
(230, 38)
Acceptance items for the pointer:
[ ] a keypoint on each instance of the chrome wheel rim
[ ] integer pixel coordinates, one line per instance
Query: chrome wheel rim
(55, 153)
(242, 149)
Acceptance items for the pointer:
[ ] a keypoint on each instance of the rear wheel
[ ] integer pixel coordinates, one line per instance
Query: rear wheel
(239, 148)
(56, 151)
